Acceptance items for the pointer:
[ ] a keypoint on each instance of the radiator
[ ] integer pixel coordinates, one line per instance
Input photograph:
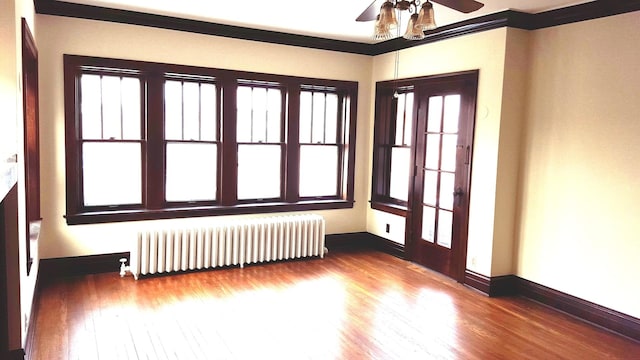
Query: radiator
(235, 243)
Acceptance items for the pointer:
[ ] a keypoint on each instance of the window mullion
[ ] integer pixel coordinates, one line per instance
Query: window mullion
(229, 148)
(292, 177)
(155, 151)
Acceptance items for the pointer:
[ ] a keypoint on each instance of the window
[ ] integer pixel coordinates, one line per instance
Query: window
(148, 141)
(392, 148)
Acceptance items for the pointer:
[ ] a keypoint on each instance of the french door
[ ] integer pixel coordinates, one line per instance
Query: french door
(439, 196)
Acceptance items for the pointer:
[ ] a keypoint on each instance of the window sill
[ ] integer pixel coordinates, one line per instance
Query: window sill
(391, 208)
(173, 213)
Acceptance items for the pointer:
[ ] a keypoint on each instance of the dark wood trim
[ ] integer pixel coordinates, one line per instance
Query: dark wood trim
(509, 18)
(18, 354)
(582, 12)
(599, 315)
(492, 286)
(80, 265)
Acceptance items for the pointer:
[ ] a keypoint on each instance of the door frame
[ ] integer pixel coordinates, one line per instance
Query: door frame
(468, 84)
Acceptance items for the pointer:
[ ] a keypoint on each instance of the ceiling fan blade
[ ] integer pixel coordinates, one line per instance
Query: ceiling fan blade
(464, 6)
(370, 13)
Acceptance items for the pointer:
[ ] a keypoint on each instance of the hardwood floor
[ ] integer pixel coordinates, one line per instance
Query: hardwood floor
(350, 305)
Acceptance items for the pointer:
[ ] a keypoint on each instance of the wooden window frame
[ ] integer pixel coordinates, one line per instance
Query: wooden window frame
(154, 204)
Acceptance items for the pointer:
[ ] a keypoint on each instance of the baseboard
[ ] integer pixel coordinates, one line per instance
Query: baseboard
(80, 265)
(17, 354)
(613, 320)
(35, 306)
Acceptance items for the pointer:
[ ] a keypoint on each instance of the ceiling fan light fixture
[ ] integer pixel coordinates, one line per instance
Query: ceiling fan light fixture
(387, 16)
(381, 31)
(413, 32)
(426, 18)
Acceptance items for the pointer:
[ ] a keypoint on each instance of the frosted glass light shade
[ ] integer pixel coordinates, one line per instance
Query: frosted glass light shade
(426, 18)
(388, 15)
(413, 32)
(381, 31)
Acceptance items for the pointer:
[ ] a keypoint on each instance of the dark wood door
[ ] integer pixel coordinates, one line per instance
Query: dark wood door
(439, 206)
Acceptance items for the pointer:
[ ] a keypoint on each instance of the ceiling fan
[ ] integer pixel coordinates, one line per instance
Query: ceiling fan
(422, 17)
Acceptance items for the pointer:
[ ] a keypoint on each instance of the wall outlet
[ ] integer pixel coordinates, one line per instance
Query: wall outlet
(387, 228)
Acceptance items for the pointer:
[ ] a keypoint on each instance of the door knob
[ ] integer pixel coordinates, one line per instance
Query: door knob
(458, 191)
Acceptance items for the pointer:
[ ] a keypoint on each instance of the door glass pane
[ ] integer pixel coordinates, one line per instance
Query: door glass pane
(451, 113)
(432, 154)
(435, 114)
(446, 190)
(399, 179)
(318, 170)
(430, 187)
(258, 171)
(191, 172)
(428, 223)
(112, 173)
(449, 143)
(445, 226)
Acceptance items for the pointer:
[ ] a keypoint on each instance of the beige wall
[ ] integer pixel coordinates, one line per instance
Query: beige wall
(579, 228)
(12, 133)
(484, 51)
(95, 38)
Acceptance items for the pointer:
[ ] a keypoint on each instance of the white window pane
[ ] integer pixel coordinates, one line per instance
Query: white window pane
(432, 155)
(449, 144)
(91, 106)
(191, 172)
(434, 118)
(305, 117)
(447, 181)
(243, 121)
(332, 119)
(111, 111)
(445, 227)
(428, 223)
(400, 119)
(451, 113)
(258, 171)
(274, 99)
(191, 111)
(208, 114)
(131, 108)
(173, 110)
(259, 123)
(318, 170)
(112, 173)
(317, 135)
(399, 181)
(408, 118)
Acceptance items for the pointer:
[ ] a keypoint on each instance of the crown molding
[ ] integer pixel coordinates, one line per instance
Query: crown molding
(509, 18)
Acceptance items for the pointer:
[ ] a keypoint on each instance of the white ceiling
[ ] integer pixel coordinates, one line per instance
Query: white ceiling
(321, 18)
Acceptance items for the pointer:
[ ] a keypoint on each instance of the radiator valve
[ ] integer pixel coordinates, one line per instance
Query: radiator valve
(124, 268)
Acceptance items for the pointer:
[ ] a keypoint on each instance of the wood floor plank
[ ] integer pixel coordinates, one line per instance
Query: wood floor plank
(350, 305)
